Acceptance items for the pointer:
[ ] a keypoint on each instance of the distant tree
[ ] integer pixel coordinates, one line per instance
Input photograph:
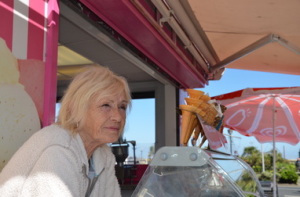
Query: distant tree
(151, 152)
(269, 160)
(285, 172)
(253, 157)
(248, 151)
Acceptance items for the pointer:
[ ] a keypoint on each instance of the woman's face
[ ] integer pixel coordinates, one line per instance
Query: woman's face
(105, 120)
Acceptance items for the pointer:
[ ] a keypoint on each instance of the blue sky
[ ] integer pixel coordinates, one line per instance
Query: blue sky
(141, 122)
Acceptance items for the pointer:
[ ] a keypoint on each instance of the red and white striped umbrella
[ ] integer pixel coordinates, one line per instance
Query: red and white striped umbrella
(268, 114)
(259, 112)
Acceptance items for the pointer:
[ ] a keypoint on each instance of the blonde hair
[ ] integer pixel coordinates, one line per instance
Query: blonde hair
(94, 82)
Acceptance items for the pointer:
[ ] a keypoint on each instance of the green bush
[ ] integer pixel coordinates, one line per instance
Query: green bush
(266, 176)
(257, 168)
(284, 166)
(288, 176)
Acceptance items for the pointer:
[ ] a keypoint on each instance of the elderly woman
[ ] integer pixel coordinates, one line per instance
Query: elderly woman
(71, 157)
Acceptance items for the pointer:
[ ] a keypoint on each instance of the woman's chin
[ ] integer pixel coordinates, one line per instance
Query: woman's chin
(115, 139)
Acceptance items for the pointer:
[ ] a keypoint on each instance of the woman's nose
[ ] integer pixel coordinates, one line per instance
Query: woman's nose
(117, 115)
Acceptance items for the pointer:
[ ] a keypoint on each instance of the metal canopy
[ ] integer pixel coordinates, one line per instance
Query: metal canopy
(188, 41)
(165, 43)
(251, 35)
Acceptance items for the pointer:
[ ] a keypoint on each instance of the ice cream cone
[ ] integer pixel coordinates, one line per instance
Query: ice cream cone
(187, 118)
(196, 94)
(187, 122)
(196, 133)
(204, 106)
(194, 102)
(193, 125)
(189, 108)
(205, 98)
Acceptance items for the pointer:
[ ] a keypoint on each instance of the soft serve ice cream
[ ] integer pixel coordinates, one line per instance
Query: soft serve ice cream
(18, 115)
(9, 73)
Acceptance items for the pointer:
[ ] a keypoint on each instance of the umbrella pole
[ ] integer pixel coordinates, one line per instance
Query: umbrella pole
(274, 150)
(262, 158)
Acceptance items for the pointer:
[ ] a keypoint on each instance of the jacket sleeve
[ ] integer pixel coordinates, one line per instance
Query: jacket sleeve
(56, 173)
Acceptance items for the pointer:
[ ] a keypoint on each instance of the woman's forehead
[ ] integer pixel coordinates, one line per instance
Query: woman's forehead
(117, 97)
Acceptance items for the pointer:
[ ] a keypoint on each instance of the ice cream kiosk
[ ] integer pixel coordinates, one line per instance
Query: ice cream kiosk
(28, 89)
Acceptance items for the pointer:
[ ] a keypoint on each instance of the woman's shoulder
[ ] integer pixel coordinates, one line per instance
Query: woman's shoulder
(50, 139)
(53, 134)
(54, 137)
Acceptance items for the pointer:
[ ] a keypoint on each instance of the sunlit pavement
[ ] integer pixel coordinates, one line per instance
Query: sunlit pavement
(288, 190)
(284, 190)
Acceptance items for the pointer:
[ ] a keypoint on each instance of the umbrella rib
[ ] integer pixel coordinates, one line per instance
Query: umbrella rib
(243, 101)
(289, 115)
(290, 97)
(258, 116)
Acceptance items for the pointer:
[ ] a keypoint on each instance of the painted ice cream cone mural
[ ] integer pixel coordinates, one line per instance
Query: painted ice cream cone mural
(201, 117)
(19, 117)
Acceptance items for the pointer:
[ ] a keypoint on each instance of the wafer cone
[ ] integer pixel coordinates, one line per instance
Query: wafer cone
(186, 124)
(196, 133)
(210, 119)
(205, 98)
(190, 130)
(196, 94)
(189, 108)
(201, 113)
(189, 122)
(194, 102)
(204, 106)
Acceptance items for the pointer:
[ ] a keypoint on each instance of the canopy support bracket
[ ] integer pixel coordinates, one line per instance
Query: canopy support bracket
(254, 46)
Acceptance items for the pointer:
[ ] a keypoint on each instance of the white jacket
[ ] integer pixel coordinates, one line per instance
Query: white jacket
(54, 163)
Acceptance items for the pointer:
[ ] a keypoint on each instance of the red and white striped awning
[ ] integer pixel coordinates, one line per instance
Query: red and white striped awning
(24, 23)
(30, 30)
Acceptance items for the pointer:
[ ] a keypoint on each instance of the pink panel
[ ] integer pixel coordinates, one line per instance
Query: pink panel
(6, 12)
(51, 63)
(36, 30)
(32, 77)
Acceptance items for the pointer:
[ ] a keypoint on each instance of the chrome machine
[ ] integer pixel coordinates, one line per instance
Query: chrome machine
(192, 171)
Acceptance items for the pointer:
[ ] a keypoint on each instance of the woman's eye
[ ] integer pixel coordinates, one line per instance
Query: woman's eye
(123, 107)
(105, 105)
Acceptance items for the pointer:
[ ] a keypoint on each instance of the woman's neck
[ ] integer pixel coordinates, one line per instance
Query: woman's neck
(89, 145)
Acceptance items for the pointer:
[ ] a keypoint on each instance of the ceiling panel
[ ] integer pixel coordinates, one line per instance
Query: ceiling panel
(79, 35)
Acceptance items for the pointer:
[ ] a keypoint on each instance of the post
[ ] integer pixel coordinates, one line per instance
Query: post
(274, 151)
(262, 158)
(230, 139)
